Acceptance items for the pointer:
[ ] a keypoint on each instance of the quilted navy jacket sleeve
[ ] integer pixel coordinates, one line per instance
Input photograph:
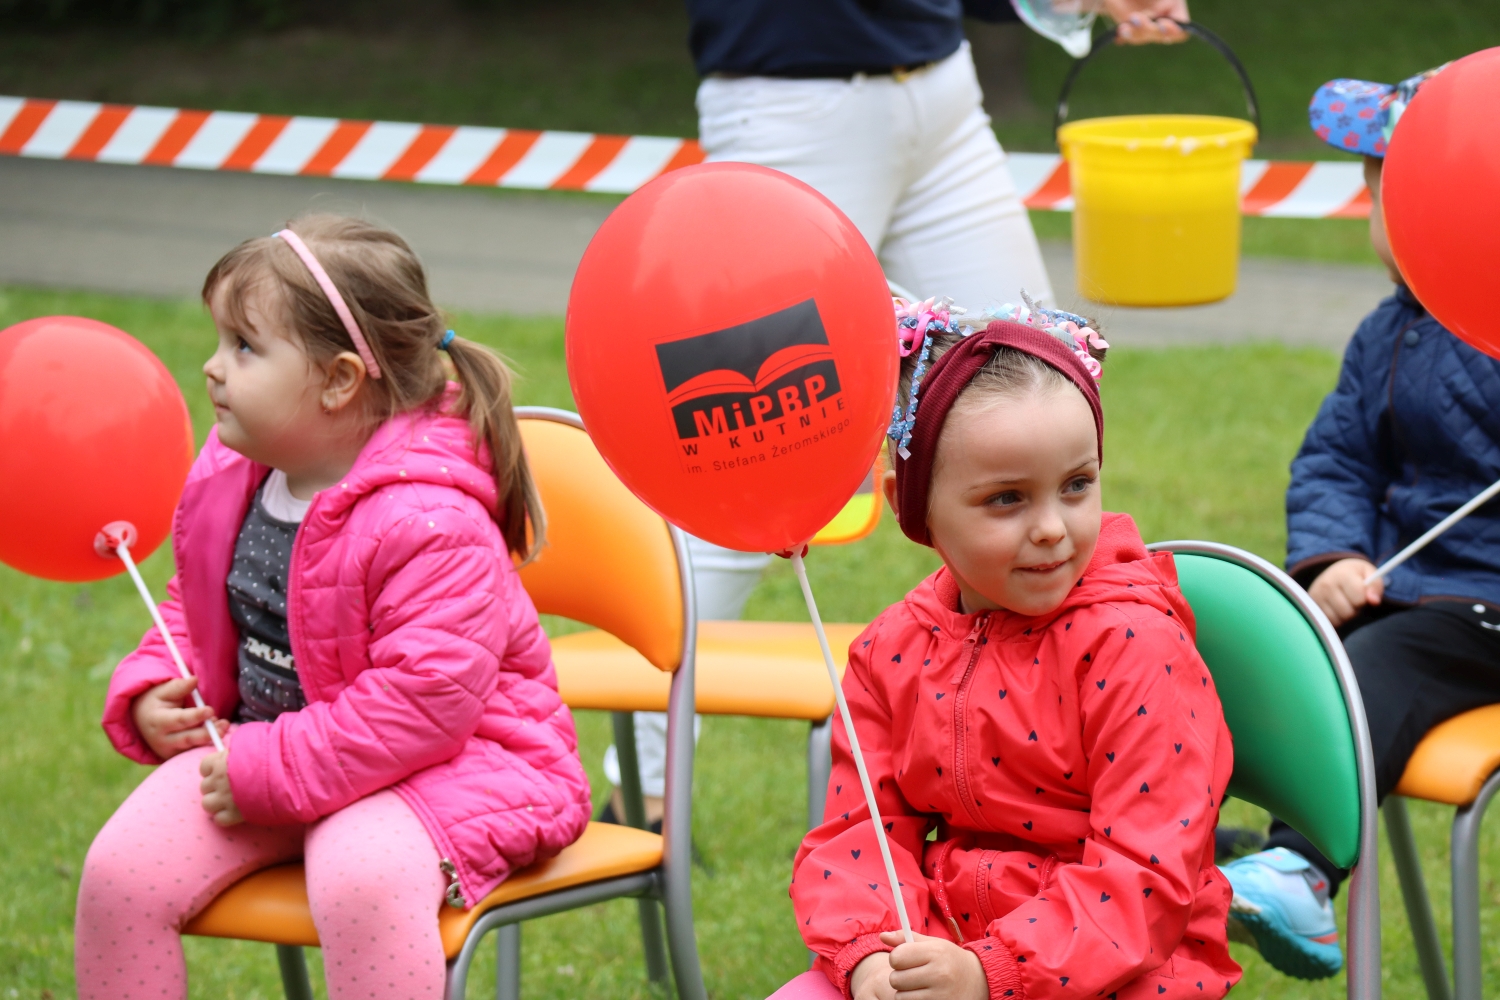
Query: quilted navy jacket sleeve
(1340, 475)
(1410, 433)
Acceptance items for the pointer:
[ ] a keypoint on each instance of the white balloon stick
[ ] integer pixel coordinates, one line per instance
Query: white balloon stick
(122, 549)
(859, 758)
(1433, 532)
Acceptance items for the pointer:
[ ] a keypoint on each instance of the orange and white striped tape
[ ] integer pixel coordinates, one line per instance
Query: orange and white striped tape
(1282, 188)
(330, 147)
(513, 158)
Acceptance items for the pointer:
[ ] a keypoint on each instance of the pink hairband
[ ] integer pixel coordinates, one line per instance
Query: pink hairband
(334, 298)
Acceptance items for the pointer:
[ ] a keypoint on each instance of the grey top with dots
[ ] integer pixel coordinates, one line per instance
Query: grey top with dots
(257, 602)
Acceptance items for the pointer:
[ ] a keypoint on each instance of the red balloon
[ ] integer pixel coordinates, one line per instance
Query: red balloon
(93, 430)
(1440, 189)
(732, 352)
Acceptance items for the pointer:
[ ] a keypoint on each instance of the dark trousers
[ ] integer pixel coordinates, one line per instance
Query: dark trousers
(1416, 667)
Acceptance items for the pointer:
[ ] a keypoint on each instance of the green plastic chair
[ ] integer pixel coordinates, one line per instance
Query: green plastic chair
(1301, 745)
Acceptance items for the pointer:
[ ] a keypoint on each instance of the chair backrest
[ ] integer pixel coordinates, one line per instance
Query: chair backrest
(610, 561)
(1283, 679)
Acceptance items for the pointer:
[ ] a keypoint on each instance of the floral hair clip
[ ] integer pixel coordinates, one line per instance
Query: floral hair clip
(1073, 330)
(914, 320)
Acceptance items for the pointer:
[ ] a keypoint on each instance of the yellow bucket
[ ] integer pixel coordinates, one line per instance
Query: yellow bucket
(1156, 216)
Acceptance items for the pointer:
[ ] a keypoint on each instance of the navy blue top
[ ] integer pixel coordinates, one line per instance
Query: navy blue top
(829, 38)
(1411, 432)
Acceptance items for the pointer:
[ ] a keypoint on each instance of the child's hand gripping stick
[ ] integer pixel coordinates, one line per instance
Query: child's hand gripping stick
(115, 539)
(859, 759)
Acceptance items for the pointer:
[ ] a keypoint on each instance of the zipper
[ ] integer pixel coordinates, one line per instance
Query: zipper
(455, 893)
(960, 730)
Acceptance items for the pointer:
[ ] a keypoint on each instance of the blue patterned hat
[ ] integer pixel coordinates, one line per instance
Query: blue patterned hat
(1358, 116)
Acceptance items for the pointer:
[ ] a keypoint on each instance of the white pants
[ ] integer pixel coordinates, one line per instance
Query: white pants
(912, 162)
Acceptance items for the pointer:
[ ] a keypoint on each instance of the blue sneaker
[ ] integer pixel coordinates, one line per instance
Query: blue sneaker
(1281, 907)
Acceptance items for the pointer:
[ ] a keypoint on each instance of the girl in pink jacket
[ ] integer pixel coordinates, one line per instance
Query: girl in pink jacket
(1046, 747)
(347, 600)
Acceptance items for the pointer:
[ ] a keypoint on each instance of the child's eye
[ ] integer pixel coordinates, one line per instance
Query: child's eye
(1079, 484)
(241, 344)
(1009, 498)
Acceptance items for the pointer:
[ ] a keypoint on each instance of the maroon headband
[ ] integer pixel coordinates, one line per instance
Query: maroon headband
(948, 377)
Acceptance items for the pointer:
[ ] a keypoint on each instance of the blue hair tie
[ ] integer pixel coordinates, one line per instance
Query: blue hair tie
(447, 339)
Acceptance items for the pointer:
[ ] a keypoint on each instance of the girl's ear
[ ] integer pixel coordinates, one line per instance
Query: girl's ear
(888, 487)
(342, 380)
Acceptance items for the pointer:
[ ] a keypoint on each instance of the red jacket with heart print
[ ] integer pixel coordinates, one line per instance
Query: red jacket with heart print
(1050, 786)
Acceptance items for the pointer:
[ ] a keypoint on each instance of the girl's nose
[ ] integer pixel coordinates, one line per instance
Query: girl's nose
(1048, 528)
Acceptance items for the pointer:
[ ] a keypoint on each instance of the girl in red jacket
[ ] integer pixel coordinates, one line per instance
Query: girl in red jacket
(345, 594)
(1047, 747)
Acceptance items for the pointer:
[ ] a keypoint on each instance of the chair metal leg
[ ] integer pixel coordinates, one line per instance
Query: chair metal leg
(1363, 942)
(1468, 971)
(508, 962)
(652, 941)
(677, 828)
(1418, 904)
(819, 767)
(294, 979)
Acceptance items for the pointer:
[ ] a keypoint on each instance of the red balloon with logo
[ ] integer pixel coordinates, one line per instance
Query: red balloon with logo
(1440, 189)
(731, 348)
(93, 430)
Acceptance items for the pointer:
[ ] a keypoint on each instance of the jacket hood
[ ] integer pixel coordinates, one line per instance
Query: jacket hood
(1121, 571)
(430, 445)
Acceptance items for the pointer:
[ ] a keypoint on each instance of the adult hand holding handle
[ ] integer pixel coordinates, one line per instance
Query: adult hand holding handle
(1142, 22)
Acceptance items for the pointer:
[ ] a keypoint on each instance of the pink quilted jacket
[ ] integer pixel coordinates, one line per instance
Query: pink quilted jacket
(424, 666)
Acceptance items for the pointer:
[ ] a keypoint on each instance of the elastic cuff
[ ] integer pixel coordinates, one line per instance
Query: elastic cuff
(1000, 968)
(854, 952)
(248, 782)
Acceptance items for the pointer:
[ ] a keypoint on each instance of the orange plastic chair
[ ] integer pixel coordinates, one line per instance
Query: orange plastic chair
(769, 670)
(1458, 764)
(611, 563)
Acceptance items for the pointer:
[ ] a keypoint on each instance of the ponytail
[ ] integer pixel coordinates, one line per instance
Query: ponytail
(485, 397)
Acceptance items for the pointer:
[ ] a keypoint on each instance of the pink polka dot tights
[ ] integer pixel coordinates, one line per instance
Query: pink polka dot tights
(373, 884)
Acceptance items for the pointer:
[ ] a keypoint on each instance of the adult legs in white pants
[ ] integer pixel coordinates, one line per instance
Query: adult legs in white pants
(913, 162)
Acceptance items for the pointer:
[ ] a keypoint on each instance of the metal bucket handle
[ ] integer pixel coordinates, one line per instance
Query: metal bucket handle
(1060, 114)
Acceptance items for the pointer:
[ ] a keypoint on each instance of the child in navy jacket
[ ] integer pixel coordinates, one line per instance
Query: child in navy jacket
(1410, 433)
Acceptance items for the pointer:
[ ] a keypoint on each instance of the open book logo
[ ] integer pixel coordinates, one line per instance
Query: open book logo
(739, 379)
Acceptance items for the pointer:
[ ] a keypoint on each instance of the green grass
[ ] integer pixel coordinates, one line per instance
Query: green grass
(595, 65)
(1342, 240)
(1198, 447)
(623, 65)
